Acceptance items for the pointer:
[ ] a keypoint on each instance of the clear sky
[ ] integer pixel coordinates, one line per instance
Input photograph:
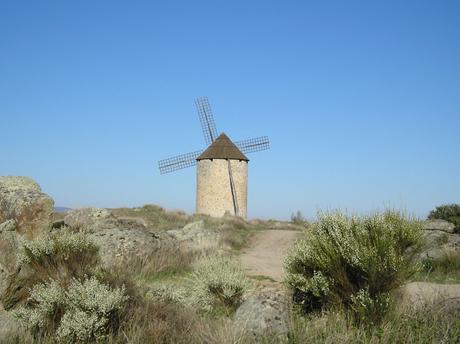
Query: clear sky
(360, 99)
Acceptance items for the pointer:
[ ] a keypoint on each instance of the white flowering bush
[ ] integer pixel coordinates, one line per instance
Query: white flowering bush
(64, 243)
(342, 255)
(218, 281)
(61, 256)
(369, 309)
(82, 312)
(170, 292)
(48, 300)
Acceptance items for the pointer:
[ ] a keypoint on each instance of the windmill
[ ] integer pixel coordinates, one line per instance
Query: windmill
(222, 168)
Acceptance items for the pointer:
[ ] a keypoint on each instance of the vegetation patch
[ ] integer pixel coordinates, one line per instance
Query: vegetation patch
(424, 326)
(218, 281)
(353, 262)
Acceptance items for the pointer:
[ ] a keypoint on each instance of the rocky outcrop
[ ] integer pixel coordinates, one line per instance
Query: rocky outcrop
(119, 244)
(262, 314)
(439, 225)
(439, 239)
(7, 324)
(441, 297)
(22, 200)
(93, 219)
(196, 236)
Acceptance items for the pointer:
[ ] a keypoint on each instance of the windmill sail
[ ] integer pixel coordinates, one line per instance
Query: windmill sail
(178, 162)
(253, 145)
(206, 120)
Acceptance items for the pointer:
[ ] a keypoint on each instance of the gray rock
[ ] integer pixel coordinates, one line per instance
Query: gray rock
(439, 225)
(3, 278)
(419, 295)
(8, 325)
(119, 244)
(8, 249)
(196, 236)
(437, 244)
(8, 226)
(262, 314)
(90, 218)
(22, 200)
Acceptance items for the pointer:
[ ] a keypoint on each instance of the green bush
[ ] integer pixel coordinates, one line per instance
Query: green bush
(352, 262)
(447, 212)
(218, 281)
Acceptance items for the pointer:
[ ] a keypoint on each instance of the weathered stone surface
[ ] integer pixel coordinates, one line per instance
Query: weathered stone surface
(8, 226)
(196, 236)
(90, 218)
(22, 200)
(263, 314)
(437, 244)
(442, 297)
(7, 324)
(118, 244)
(9, 241)
(3, 277)
(439, 225)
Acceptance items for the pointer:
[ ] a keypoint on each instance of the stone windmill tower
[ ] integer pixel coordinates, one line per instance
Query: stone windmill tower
(222, 168)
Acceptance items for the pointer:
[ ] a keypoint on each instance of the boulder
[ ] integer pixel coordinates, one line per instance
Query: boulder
(262, 314)
(119, 244)
(439, 225)
(9, 242)
(196, 236)
(8, 325)
(419, 295)
(437, 244)
(22, 200)
(90, 218)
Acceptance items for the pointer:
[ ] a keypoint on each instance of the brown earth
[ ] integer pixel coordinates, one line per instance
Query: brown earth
(266, 252)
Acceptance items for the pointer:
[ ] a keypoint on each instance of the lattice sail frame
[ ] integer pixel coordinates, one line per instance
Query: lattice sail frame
(178, 162)
(210, 134)
(206, 119)
(253, 145)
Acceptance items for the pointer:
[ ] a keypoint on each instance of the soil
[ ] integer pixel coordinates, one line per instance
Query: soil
(266, 252)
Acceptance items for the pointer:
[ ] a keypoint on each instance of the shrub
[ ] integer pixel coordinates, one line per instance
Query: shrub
(60, 256)
(85, 311)
(447, 212)
(218, 281)
(344, 259)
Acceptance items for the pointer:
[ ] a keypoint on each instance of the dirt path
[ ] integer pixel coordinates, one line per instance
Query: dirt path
(265, 254)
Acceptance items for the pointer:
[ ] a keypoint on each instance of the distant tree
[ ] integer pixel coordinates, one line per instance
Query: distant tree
(298, 218)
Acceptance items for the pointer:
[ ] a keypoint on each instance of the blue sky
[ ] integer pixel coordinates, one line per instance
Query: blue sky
(360, 99)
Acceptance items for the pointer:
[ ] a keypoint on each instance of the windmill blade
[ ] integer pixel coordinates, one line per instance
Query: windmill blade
(253, 145)
(178, 162)
(206, 119)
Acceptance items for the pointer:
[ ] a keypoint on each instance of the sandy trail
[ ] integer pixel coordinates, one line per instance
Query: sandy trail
(266, 252)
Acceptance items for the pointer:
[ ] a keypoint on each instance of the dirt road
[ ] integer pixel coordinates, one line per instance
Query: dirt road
(265, 254)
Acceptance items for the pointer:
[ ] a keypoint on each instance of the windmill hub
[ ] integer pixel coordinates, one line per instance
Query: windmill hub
(222, 169)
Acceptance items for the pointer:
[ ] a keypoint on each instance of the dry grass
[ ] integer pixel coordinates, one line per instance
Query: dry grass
(155, 216)
(423, 326)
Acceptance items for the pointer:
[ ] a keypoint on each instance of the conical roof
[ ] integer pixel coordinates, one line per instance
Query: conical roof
(222, 148)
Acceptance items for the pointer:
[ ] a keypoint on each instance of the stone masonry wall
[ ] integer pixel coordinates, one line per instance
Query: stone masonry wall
(213, 192)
